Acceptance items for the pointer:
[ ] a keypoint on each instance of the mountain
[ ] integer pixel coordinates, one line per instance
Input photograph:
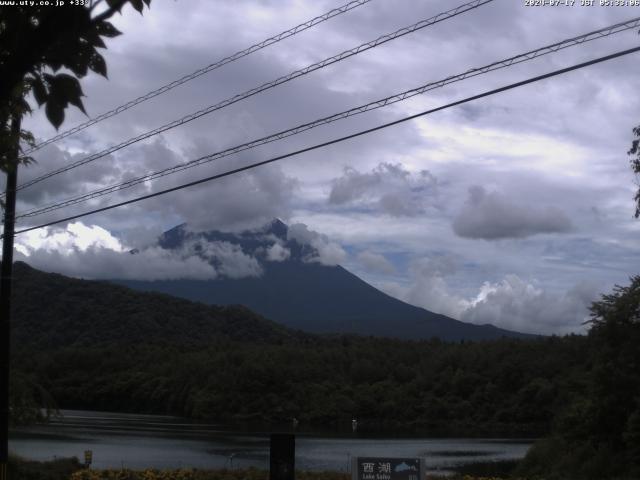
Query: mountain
(302, 293)
(51, 311)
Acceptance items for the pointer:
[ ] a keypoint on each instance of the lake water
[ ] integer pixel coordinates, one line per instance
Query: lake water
(151, 441)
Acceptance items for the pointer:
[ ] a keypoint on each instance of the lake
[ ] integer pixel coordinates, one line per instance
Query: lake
(152, 441)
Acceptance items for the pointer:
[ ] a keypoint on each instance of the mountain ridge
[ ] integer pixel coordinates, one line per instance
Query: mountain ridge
(52, 311)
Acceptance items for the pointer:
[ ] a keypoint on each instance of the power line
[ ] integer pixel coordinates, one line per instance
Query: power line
(231, 58)
(601, 33)
(337, 140)
(236, 98)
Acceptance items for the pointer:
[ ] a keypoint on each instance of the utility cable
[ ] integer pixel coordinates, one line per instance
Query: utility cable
(601, 33)
(231, 58)
(337, 140)
(298, 73)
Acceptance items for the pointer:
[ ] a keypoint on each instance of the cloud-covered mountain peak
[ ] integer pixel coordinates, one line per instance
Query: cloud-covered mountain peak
(291, 274)
(274, 241)
(277, 228)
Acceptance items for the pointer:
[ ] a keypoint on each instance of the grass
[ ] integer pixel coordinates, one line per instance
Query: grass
(61, 469)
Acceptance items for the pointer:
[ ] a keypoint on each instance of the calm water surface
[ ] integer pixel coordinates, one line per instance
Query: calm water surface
(143, 441)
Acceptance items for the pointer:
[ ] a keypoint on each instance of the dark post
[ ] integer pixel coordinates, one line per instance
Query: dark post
(5, 301)
(282, 456)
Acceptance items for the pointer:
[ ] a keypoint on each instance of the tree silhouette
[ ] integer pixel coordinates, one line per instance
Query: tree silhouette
(44, 50)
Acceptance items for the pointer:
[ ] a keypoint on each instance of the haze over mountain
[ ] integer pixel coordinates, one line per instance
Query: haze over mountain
(282, 277)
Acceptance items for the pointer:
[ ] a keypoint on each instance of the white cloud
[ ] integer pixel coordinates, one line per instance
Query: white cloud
(92, 252)
(325, 251)
(228, 258)
(278, 253)
(526, 306)
(77, 237)
(374, 262)
(512, 303)
(429, 289)
(102, 263)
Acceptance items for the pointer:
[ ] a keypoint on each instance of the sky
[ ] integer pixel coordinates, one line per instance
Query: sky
(514, 209)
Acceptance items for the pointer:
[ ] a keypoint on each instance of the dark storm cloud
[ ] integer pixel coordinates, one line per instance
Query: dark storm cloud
(138, 160)
(242, 201)
(388, 188)
(492, 216)
(51, 158)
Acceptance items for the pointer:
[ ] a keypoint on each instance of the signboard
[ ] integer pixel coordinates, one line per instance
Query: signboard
(385, 468)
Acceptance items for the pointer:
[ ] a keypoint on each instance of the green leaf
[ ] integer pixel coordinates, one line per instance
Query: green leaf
(27, 137)
(77, 102)
(55, 65)
(55, 112)
(39, 90)
(66, 89)
(137, 4)
(26, 160)
(94, 39)
(115, 3)
(66, 85)
(106, 29)
(97, 64)
(48, 78)
(79, 62)
(23, 106)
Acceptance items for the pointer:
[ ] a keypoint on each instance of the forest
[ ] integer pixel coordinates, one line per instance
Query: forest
(495, 388)
(150, 353)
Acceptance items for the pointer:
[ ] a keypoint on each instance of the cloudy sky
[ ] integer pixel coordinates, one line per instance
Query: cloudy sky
(515, 209)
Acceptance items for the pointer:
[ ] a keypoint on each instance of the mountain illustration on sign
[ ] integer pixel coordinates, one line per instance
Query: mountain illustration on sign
(290, 285)
(403, 467)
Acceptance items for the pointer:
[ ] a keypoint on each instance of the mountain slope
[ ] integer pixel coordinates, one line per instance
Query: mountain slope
(307, 295)
(53, 311)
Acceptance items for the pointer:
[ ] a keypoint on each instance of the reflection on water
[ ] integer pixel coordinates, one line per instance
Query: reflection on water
(142, 441)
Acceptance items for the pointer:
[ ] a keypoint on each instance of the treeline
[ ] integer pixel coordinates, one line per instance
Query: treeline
(95, 345)
(505, 387)
(597, 435)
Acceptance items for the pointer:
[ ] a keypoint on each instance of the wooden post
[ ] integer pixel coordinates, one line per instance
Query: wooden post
(282, 456)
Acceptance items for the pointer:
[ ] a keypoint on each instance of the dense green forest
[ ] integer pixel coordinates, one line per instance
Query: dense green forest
(92, 345)
(496, 388)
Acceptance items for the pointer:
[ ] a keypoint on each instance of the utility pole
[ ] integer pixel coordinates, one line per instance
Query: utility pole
(5, 295)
